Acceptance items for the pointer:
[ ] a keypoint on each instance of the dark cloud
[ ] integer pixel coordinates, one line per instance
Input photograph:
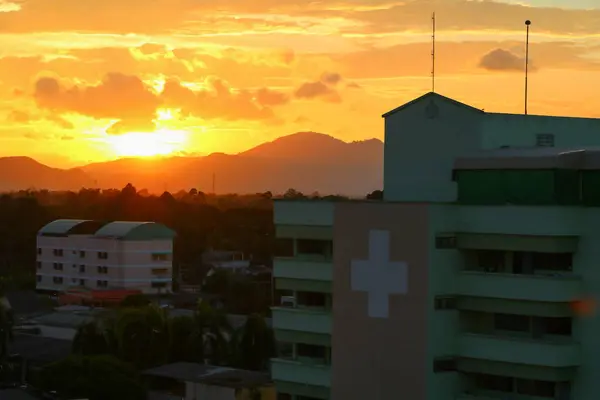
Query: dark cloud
(323, 88)
(503, 60)
(331, 78)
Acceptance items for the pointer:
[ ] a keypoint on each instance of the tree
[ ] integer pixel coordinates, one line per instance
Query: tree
(210, 338)
(92, 377)
(142, 336)
(6, 329)
(135, 300)
(254, 344)
(375, 195)
(90, 339)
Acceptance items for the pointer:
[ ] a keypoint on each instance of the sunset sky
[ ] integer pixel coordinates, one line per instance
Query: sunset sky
(91, 80)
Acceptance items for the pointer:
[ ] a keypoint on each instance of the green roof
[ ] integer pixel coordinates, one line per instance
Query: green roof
(127, 230)
(60, 226)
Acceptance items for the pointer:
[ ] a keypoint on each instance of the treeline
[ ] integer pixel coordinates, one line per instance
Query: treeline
(225, 222)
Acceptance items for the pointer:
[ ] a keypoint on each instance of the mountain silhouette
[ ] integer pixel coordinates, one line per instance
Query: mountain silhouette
(306, 161)
(18, 173)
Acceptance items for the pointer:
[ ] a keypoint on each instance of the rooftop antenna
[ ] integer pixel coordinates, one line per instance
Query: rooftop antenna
(433, 53)
(527, 24)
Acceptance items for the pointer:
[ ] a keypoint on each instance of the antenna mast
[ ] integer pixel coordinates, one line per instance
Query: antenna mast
(433, 53)
(527, 24)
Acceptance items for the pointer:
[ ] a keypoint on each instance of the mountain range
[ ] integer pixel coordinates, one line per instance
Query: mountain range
(306, 161)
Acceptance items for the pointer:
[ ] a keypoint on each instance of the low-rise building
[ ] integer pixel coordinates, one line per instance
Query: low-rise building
(191, 381)
(116, 255)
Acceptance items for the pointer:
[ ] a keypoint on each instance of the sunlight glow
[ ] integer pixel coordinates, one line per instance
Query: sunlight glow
(141, 144)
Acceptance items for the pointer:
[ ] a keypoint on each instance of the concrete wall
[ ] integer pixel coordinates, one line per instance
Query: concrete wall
(419, 152)
(129, 264)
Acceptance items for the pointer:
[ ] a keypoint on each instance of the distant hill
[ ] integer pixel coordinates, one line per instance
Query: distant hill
(18, 173)
(305, 161)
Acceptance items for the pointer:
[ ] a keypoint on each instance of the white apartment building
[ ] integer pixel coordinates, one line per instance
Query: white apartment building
(96, 255)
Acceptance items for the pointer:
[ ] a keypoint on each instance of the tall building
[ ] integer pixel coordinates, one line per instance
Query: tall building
(95, 255)
(474, 277)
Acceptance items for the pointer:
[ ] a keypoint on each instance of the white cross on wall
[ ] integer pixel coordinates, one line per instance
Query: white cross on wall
(378, 276)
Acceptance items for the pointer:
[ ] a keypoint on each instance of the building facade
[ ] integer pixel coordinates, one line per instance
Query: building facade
(93, 255)
(473, 279)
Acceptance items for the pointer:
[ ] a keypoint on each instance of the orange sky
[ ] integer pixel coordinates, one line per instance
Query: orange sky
(84, 80)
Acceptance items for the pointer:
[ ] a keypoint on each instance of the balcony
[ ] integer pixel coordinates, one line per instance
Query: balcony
(300, 372)
(520, 220)
(304, 213)
(548, 288)
(519, 350)
(302, 268)
(302, 319)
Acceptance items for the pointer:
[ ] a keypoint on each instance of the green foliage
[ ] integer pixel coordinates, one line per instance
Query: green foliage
(254, 344)
(135, 300)
(92, 377)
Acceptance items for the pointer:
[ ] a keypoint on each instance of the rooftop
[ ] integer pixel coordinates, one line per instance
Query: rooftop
(211, 375)
(122, 230)
(40, 349)
(532, 158)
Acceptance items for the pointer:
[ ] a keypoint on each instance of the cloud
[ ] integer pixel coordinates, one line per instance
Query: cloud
(219, 101)
(503, 60)
(117, 96)
(331, 78)
(323, 88)
(18, 116)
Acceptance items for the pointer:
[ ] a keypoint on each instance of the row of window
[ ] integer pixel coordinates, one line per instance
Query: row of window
(59, 280)
(82, 269)
(103, 255)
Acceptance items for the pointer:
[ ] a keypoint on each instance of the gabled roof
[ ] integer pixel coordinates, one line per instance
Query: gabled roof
(428, 96)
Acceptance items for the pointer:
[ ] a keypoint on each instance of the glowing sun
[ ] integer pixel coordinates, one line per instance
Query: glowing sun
(140, 144)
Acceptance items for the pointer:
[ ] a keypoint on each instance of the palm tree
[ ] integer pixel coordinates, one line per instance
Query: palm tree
(254, 344)
(210, 338)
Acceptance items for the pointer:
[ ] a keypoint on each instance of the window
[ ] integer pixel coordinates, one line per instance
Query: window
(57, 252)
(491, 260)
(102, 284)
(552, 261)
(39, 278)
(311, 351)
(311, 299)
(102, 255)
(513, 323)
(159, 285)
(73, 280)
(495, 383)
(160, 257)
(544, 140)
(444, 364)
(81, 254)
(39, 265)
(39, 250)
(445, 242)
(82, 282)
(57, 280)
(315, 247)
(284, 247)
(57, 266)
(445, 303)
(82, 268)
(531, 387)
(102, 270)
(160, 271)
(559, 326)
